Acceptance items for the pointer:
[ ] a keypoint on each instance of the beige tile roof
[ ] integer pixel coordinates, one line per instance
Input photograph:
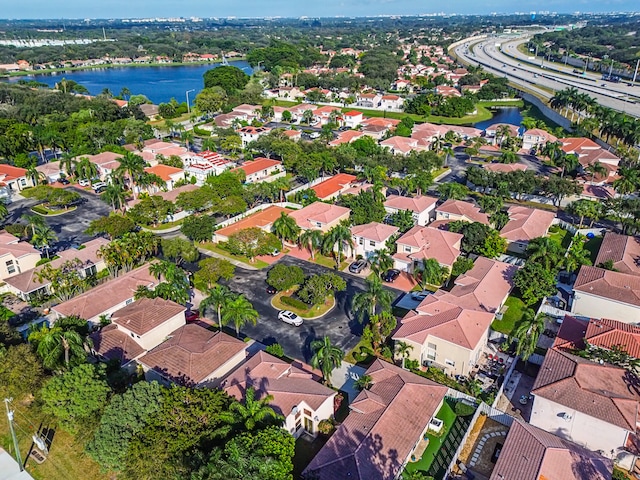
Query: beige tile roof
(318, 212)
(261, 219)
(600, 391)
(504, 167)
(417, 204)
(526, 224)
(114, 344)
(108, 295)
(617, 286)
(11, 245)
(530, 453)
(145, 314)
(269, 375)
(442, 245)
(382, 428)
(465, 209)
(622, 250)
(380, 232)
(192, 354)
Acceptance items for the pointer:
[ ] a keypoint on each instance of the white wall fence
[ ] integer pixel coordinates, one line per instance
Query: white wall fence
(258, 208)
(573, 229)
(307, 185)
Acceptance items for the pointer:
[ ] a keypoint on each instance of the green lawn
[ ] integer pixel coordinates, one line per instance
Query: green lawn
(448, 416)
(593, 245)
(561, 236)
(482, 114)
(165, 226)
(355, 357)
(256, 263)
(515, 102)
(511, 317)
(328, 262)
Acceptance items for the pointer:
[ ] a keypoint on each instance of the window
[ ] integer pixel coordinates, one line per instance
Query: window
(431, 351)
(318, 224)
(450, 363)
(129, 300)
(407, 249)
(307, 412)
(92, 270)
(361, 241)
(372, 243)
(23, 182)
(11, 268)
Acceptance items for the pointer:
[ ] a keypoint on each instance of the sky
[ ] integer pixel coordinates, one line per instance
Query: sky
(29, 9)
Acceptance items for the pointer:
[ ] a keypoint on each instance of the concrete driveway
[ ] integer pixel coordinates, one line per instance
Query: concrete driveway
(338, 324)
(69, 227)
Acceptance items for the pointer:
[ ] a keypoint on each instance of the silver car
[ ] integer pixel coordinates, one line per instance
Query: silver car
(289, 317)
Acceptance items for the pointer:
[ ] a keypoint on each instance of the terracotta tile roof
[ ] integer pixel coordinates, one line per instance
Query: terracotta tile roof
(352, 113)
(333, 185)
(105, 159)
(417, 204)
(526, 224)
(622, 250)
(571, 334)
(318, 212)
(380, 122)
(530, 453)
(251, 130)
(402, 144)
(607, 333)
(537, 132)
(575, 144)
(192, 354)
(269, 375)
(292, 133)
(380, 232)
(346, 137)
(165, 172)
(600, 391)
(384, 425)
(114, 344)
(504, 167)
(108, 295)
(260, 219)
(11, 245)
(513, 129)
(442, 245)
(464, 209)
(145, 314)
(10, 172)
(257, 165)
(617, 286)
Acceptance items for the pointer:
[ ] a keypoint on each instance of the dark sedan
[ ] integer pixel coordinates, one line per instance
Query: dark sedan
(390, 275)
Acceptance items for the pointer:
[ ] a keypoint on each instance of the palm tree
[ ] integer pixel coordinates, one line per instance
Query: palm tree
(67, 163)
(527, 332)
(218, 298)
(35, 176)
(596, 168)
(546, 251)
(55, 344)
(4, 211)
(367, 301)
(380, 261)
(131, 167)
(327, 357)
(363, 382)
(507, 156)
(628, 181)
(404, 350)
(43, 237)
(115, 196)
(254, 411)
(577, 255)
(430, 272)
(239, 311)
(312, 240)
(503, 131)
(86, 169)
(336, 240)
(33, 221)
(285, 228)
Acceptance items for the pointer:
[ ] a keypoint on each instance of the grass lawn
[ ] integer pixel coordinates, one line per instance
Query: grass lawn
(560, 236)
(256, 263)
(45, 211)
(515, 102)
(440, 171)
(448, 416)
(66, 456)
(284, 103)
(593, 245)
(354, 355)
(482, 114)
(165, 226)
(311, 312)
(328, 262)
(511, 317)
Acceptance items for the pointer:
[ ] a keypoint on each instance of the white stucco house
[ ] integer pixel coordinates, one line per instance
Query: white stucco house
(371, 237)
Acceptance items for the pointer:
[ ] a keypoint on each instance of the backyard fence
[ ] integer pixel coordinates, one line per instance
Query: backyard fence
(507, 376)
(258, 208)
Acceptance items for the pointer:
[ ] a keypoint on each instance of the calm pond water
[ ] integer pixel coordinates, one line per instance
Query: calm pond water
(509, 115)
(159, 84)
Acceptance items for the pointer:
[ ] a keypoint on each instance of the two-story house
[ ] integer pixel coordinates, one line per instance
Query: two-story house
(391, 102)
(170, 175)
(536, 138)
(422, 207)
(13, 180)
(320, 216)
(352, 119)
(453, 210)
(524, 225)
(260, 170)
(250, 133)
(15, 256)
(422, 243)
(371, 237)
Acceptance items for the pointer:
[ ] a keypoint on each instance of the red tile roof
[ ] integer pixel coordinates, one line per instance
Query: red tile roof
(165, 172)
(526, 224)
(333, 185)
(257, 165)
(417, 204)
(114, 344)
(575, 333)
(617, 286)
(10, 172)
(465, 209)
(504, 167)
(385, 423)
(318, 212)
(11, 245)
(622, 250)
(380, 232)
(145, 314)
(260, 219)
(442, 245)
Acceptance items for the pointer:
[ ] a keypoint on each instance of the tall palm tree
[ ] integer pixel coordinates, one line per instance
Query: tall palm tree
(115, 196)
(4, 211)
(218, 298)
(56, 346)
(363, 382)
(367, 301)
(527, 332)
(86, 169)
(43, 237)
(35, 176)
(131, 167)
(326, 356)
(336, 240)
(252, 412)
(33, 221)
(380, 261)
(312, 240)
(285, 228)
(546, 251)
(239, 311)
(67, 163)
(596, 168)
(404, 350)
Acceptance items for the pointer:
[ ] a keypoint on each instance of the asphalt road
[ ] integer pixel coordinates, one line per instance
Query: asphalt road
(69, 227)
(338, 324)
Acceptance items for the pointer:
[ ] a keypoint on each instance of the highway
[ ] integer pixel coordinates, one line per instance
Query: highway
(501, 57)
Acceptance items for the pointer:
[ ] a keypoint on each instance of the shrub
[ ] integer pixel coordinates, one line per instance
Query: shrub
(40, 210)
(294, 302)
(42, 261)
(326, 427)
(283, 277)
(463, 409)
(276, 350)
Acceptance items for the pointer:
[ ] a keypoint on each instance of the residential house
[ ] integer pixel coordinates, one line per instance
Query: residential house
(293, 134)
(447, 91)
(371, 237)
(51, 171)
(431, 131)
(422, 243)
(297, 111)
(320, 216)
(621, 251)
(106, 162)
(491, 132)
(422, 207)
(391, 102)
(262, 219)
(89, 263)
(297, 396)
(590, 153)
(248, 110)
(368, 100)
(193, 356)
(536, 139)
(524, 225)
(589, 403)
(334, 186)
(348, 136)
(326, 113)
(530, 453)
(15, 256)
(600, 293)
(405, 145)
(225, 120)
(385, 424)
(169, 174)
(260, 170)
(107, 298)
(352, 119)
(112, 344)
(377, 127)
(504, 167)
(249, 133)
(453, 210)
(206, 163)
(12, 180)
(151, 111)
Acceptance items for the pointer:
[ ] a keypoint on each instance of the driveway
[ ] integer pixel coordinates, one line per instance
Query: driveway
(69, 227)
(338, 324)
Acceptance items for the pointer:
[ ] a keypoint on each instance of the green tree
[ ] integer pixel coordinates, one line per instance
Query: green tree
(115, 196)
(21, 371)
(490, 203)
(229, 78)
(365, 303)
(130, 168)
(210, 270)
(577, 255)
(534, 282)
(461, 265)
(403, 219)
(430, 272)
(547, 252)
(59, 348)
(151, 210)
(494, 245)
(66, 281)
(380, 261)
(336, 241)
(44, 237)
(326, 356)
(251, 242)
(254, 412)
(219, 296)
(527, 332)
(365, 207)
(404, 350)
(452, 191)
(128, 251)
(179, 250)
(115, 225)
(285, 228)
(283, 277)
(211, 100)
(312, 240)
(364, 382)
(76, 397)
(239, 311)
(199, 229)
(317, 288)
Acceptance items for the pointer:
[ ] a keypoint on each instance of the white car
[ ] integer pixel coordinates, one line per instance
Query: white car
(289, 317)
(84, 182)
(99, 186)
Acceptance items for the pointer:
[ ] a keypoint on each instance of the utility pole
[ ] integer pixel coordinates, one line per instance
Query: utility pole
(13, 432)
(635, 74)
(187, 93)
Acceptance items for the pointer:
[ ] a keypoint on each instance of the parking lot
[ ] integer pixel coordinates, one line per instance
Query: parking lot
(69, 227)
(338, 324)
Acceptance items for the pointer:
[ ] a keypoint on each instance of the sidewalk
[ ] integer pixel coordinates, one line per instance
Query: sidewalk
(237, 263)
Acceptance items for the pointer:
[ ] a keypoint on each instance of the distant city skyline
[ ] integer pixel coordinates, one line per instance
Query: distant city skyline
(35, 9)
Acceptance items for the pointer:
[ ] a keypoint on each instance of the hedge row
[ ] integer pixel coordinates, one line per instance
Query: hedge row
(294, 302)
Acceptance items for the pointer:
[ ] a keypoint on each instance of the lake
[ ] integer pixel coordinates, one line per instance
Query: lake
(509, 115)
(159, 84)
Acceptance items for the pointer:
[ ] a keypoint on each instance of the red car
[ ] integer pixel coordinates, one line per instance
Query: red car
(191, 316)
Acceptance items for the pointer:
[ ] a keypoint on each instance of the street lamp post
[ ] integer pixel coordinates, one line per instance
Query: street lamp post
(187, 93)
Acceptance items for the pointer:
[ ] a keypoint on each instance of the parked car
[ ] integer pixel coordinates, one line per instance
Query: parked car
(99, 186)
(289, 317)
(358, 266)
(271, 290)
(275, 253)
(390, 275)
(64, 181)
(420, 296)
(191, 316)
(84, 182)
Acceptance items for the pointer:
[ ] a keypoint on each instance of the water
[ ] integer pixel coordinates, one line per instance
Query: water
(159, 84)
(509, 115)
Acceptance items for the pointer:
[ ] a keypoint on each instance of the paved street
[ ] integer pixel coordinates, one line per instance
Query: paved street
(337, 324)
(69, 227)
